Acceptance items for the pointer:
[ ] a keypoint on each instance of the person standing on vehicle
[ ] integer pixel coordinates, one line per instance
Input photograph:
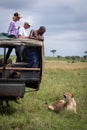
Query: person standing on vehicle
(23, 34)
(13, 33)
(22, 30)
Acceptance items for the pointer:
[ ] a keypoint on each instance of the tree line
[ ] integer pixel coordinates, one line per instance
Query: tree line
(73, 58)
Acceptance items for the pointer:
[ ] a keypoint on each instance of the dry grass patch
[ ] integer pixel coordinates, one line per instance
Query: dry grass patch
(65, 65)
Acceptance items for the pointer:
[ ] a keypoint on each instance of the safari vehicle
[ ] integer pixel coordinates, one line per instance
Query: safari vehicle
(12, 87)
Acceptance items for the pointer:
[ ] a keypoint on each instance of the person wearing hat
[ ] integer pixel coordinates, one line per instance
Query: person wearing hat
(23, 34)
(22, 30)
(13, 33)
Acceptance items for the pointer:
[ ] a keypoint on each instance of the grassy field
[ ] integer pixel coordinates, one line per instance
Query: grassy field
(32, 112)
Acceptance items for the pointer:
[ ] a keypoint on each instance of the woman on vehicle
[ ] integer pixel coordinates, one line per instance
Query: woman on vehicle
(13, 33)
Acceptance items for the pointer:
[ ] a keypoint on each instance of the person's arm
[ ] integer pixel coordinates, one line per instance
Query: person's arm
(23, 36)
(41, 38)
(33, 34)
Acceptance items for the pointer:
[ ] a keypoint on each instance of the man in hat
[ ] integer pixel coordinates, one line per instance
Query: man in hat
(23, 34)
(22, 30)
(13, 33)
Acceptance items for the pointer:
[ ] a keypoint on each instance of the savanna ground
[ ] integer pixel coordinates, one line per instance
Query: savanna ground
(32, 112)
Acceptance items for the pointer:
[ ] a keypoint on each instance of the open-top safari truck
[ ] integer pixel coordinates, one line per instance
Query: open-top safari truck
(12, 87)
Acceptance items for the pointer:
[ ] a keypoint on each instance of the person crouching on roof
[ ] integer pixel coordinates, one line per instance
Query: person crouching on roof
(31, 54)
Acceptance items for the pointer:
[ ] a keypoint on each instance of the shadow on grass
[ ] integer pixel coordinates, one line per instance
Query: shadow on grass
(7, 110)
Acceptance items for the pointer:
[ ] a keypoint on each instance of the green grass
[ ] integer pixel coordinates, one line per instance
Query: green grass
(32, 112)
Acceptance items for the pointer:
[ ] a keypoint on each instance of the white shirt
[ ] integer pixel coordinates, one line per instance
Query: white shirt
(22, 31)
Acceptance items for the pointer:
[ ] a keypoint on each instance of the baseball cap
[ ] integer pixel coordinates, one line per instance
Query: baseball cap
(28, 23)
